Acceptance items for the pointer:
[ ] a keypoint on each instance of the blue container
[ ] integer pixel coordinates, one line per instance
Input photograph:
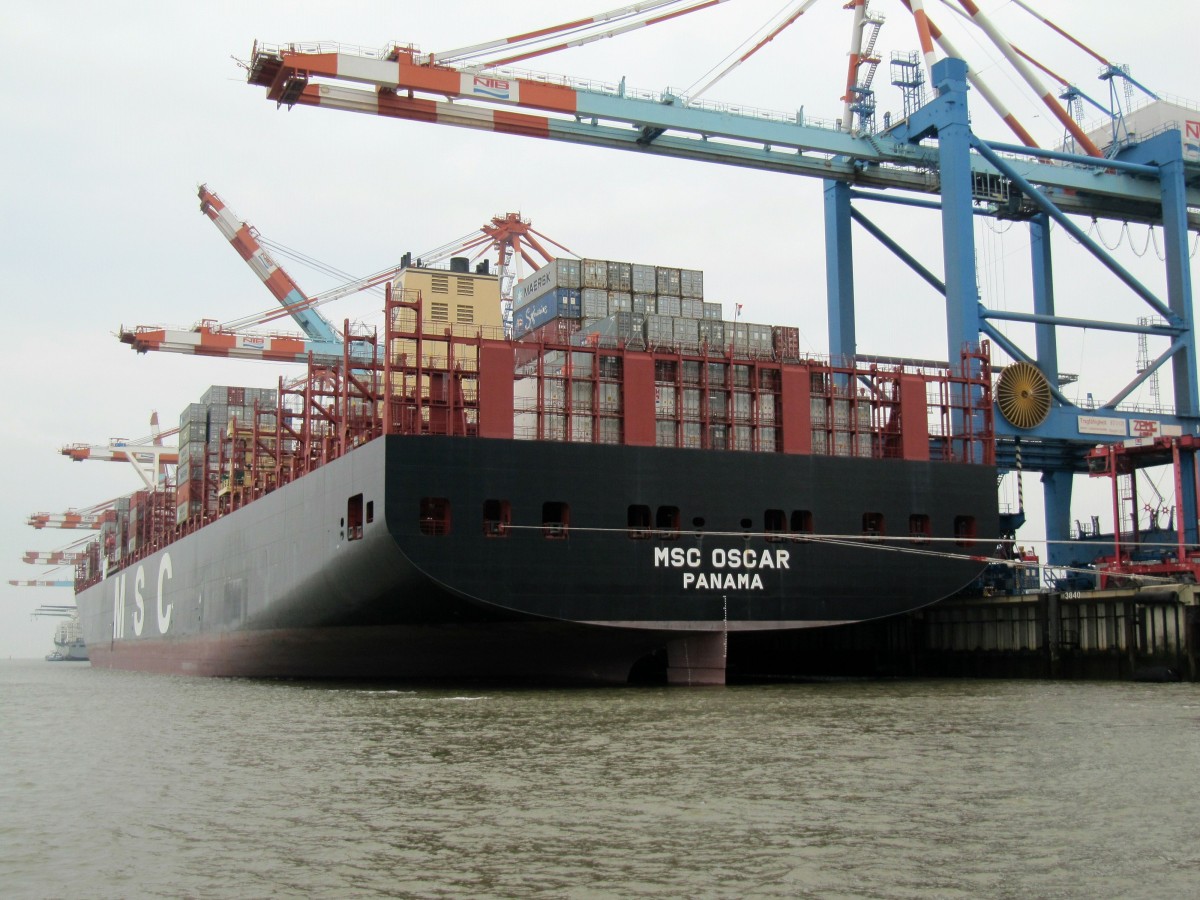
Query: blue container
(562, 303)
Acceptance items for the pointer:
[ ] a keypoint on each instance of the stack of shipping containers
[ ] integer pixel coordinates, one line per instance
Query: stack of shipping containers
(201, 426)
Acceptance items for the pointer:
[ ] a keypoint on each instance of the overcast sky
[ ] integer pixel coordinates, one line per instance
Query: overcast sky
(115, 112)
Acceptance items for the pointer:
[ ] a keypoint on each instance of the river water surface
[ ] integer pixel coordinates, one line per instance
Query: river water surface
(118, 784)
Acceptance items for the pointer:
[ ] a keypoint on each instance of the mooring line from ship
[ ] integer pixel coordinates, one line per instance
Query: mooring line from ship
(874, 542)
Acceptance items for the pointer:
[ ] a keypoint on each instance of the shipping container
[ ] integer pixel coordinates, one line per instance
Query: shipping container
(664, 400)
(563, 303)
(595, 273)
(686, 331)
(712, 310)
(620, 277)
(559, 273)
(594, 303)
(556, 331)
(786, 341)
(660, 329)
(817, 412)
(667, 281)
(758, 338)
(841, 413)
(620, 301)
(645, 304)
(766, 409)
(691, 308)
(741, 406)
(668, 306)
(691, 283)
(645, 279)
(664, 433)
(712, 332)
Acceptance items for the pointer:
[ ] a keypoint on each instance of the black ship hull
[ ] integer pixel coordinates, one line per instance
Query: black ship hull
(428, 556)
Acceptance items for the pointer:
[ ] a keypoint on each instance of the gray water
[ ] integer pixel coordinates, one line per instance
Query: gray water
(127, 785)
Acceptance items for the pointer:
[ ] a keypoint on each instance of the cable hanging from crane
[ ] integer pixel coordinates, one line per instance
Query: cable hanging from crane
(462, 56)
(771, 34)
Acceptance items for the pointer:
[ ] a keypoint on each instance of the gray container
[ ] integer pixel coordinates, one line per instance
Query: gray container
(712, 310)
(691, 283)
(667, 281)
(644, 279)
(664, 400)
(620, 277)
(594, 303)
(766, 409)
(664, 433)
(712, 332)
(841, 413)
(619, 301)
(645, 304)
(669, 306)
(686, 331)
(660, 329)
(570, 273)
(595, 273)
(691, 308)
(817, 412)
(759, 337)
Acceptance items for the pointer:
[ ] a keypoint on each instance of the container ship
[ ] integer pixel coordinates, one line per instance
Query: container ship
(618, 483)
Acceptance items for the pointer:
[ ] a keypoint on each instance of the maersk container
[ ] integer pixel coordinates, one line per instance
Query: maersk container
(540, 282)
(644, 279)
(667, 281)
(595, 303)
(691, 283)
(595, 273)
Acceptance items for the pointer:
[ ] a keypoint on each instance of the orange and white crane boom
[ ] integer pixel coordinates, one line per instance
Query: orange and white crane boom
(147, 455)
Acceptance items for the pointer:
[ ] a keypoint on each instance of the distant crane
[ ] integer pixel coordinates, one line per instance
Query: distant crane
(149, 458)
(93, 517)
(512, 238)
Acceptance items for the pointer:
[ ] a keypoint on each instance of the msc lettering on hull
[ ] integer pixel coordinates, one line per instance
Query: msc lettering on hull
(164, 611)
(746, 564)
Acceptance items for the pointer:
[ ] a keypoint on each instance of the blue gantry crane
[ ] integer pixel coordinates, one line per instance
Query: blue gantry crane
(928, 158)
